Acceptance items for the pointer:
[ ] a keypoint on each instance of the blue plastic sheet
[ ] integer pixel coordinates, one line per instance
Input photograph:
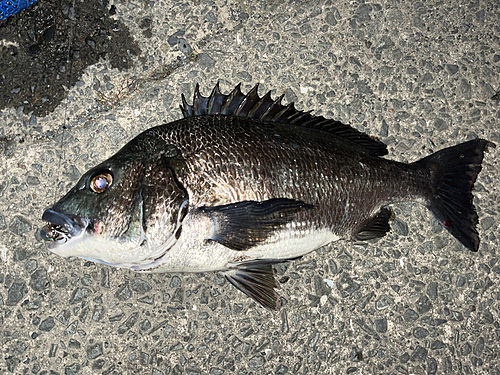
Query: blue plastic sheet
(10, 7)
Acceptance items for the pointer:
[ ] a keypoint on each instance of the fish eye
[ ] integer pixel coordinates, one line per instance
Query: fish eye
(101, 182)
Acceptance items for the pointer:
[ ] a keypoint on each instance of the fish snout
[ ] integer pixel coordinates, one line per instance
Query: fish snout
(62, 226)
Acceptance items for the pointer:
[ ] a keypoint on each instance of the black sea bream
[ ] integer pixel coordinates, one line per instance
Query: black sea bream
(242, 183)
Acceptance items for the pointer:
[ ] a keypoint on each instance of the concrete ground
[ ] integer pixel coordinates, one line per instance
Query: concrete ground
(419, 75)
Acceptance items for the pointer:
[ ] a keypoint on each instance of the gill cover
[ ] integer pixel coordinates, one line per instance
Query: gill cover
(130, 204)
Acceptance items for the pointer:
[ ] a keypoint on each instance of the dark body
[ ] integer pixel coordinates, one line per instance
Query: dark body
(230, 159)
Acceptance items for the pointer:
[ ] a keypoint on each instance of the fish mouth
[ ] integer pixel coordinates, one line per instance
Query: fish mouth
(62, 227)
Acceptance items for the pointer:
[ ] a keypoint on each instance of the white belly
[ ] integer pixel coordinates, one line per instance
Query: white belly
(194, 253)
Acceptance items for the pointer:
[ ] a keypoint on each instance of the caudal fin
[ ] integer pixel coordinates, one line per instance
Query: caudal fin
(453, 172)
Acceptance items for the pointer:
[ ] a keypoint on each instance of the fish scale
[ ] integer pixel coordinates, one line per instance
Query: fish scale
(243, 183)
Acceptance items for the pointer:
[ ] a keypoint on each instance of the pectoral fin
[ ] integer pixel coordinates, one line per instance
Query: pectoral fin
(243, 225)
(376, 227)
(256, 279)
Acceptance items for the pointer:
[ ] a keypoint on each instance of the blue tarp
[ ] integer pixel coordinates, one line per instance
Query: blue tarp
(10, 7)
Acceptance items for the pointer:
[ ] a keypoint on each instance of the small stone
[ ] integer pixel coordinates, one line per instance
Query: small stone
(116, 135)
(178, 295)
(465, 88)
(333, 267)
(71, 330)
(289, 27)
(175, 282)
(204, 297)
(79, 294)
(205, 61)
(32, 180)
(419, 354)
(420, 332)
(451, 68)
(128, 323)
(384, 132)
(98, 364)
(11, 363)
(184, 47)
(63, 317)
(383, 302)
(167, 330)
(423, 304)
(321, 287)
(72, 369)
(20, 225)
(72, 173)
(15, 293)
(30, 265)
(256, 362)
(53, 350)
(479, 346)
(381, 325)
(456, 316)
(399, 226)
(105, 277)
(74, 344)
(260, 45)
(410, 316)
(305, 29)
(18, 348)
(245, 76)
(39, 280)
(432, 290)
(147, 299)
(330, 18)
(62, 282)
(123, 293)
(385, 43)
(116, 318)
(487, 222)
(140, 286)
(47, 324)
(427, 78)
(437, 344)
(460, 281)
(440, 124)
(172, 40)
(431, 366)
(94, 350)
(396, 288)
(98, 313)
(487, 317)
(211, 17)
(3, 225)
(466, 349)
(145, 325)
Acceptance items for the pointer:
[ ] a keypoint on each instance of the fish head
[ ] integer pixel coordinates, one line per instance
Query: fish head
(125, 212)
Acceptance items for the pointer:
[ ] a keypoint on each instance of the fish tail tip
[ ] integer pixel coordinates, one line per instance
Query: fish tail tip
(453, 172)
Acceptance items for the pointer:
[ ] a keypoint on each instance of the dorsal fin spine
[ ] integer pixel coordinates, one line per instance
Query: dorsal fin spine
(212, 100)
(252, 105)
(273, 107)
(196, 99)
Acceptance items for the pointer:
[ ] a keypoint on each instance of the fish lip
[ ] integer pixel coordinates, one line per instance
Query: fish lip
(62, 227)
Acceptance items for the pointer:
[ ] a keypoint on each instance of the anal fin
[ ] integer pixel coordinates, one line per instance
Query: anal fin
(376, 227)
(257, 280)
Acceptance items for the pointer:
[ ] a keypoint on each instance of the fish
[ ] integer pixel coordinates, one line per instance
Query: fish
(242, 183)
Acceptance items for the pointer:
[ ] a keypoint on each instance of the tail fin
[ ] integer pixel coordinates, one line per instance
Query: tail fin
(453, 172)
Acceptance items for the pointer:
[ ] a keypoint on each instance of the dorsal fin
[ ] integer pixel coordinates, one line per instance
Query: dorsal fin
(266, 109)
